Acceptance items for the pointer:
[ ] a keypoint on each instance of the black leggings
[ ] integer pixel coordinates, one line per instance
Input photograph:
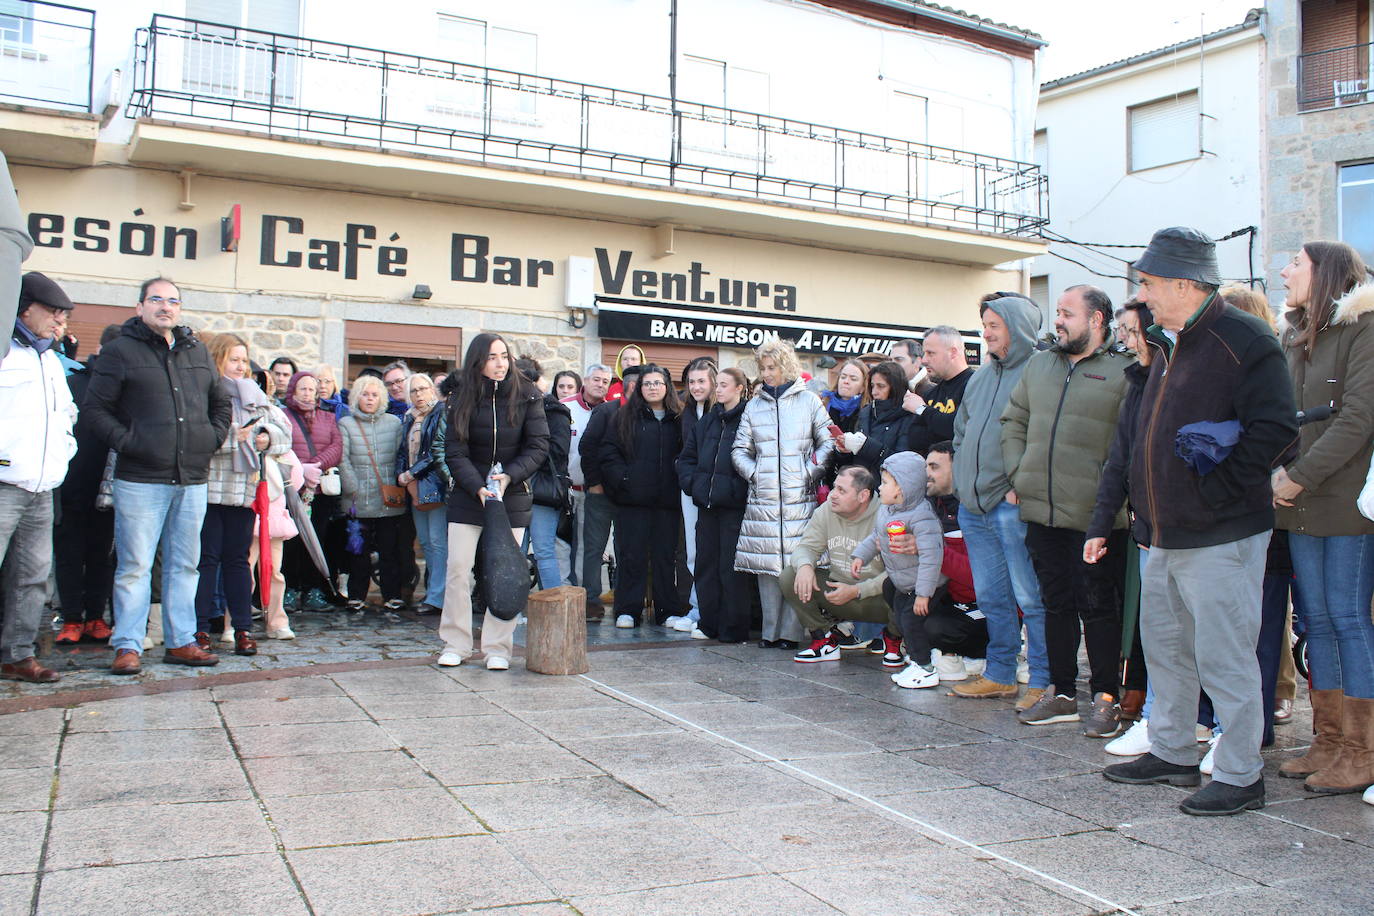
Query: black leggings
(225, 537)
(646, 538)
(724, 596)
(913, 625)
(385, 535)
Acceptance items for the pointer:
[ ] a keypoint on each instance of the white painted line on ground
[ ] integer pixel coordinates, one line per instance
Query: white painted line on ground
(924, 825)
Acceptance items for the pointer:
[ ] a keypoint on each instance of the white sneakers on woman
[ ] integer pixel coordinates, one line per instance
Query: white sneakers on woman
(914, 677)
(450, 659)
(1133, 742)
(497, 663)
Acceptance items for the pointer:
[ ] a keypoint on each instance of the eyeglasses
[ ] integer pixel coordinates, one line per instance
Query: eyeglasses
(397, 383)
(651, 384)
(159, 300)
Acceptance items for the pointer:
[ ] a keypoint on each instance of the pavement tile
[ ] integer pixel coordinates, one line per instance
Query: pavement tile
(982, 814)
(672, 751)
(317, 774)
(1122, 869)
(798, 742)
(574, 724)
(754, 894)
(940, 882)
(1000, 762)
(555, 696)
(416, 876)
(279, 687)
(1344, 815)
(16, 892)
(1092, 798)
(827, 708)
(310, 738)
(101, 836)
(724, 717)
(23, 832)
(25, 789)
(191, 710)
(24, 751)
(879, 774)
(463, 731)
(1256, 899)
(192, 887)
(753, 686)
(723, 789)
(553, 908)
(152, 782)
(37, 722)
(369, 816)
(416, 681)
(626, 856)
(93, 748)
(290, 711)
(561, 802)
(833, 832)
(439, 705)
(471, 766)
(900, 730)
(684, 692)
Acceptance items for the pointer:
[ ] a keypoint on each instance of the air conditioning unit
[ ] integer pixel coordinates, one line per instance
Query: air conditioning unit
(1351, 92)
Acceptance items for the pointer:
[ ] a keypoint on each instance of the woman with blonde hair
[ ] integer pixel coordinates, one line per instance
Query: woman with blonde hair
(1249, 300)
(371, 438)
(331, 397)
(781, 449)
(421, 469)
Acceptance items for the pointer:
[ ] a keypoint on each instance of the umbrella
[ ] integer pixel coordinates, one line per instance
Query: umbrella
(505, 572)
(262, 505)
(300, 514)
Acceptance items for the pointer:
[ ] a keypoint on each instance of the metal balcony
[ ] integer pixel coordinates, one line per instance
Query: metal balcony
(47, 55)
(1335, 78)
(297, 88)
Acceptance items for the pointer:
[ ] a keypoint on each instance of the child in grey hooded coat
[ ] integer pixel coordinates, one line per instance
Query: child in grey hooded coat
(911, 580)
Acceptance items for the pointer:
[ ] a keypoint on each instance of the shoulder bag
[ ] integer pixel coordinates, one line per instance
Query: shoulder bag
(393, 497)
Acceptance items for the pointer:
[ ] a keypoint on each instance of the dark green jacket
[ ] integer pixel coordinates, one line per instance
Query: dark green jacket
(1057, 430)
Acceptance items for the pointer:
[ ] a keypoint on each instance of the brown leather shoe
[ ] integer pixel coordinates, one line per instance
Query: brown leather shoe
(190, 654)
(203, 640)
(244, 643)
(97, 630)
(127, 661)
(28, 670)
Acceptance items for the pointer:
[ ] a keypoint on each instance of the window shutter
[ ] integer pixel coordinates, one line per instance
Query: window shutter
(1164, 131)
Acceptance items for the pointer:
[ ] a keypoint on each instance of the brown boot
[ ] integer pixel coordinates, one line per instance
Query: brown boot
(190, 654)
(1326, 723)
(1353, 770)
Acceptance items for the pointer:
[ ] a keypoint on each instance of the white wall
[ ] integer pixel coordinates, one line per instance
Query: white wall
(1094, 199)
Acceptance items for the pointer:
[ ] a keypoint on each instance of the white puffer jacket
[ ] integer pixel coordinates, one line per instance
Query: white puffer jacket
(781, 448)
(36, 419)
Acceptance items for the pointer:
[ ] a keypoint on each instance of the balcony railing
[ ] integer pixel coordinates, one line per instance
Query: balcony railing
(1335, 78)
(307, 89)
(46, 55)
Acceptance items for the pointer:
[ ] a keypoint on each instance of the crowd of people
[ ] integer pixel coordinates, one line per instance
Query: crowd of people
(1137, 486)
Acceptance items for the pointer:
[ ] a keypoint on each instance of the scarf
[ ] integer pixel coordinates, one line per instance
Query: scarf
(845, 407)
(30, 339)
(779, 390)
(249, 404)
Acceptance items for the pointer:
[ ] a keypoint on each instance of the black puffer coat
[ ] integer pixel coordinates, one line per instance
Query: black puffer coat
(549, 481)
(644, 474)
(162, 408)
(705, 470)
(520, 446)
(888, 428)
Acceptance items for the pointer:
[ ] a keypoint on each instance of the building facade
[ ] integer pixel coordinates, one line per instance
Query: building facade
(348, 188)
(1170, 137)
(1319, 132)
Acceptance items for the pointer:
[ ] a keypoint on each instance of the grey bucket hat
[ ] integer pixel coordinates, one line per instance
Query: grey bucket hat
(1181, 253)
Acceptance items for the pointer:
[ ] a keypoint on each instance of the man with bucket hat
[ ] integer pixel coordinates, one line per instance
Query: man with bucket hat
(1200, 592)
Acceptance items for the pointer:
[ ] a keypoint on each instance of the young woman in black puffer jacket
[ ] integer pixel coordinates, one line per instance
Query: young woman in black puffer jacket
(883, 425)
(707, 475)
(495, 415)
(637, 454)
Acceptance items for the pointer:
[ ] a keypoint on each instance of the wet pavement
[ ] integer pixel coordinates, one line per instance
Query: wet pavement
(344, 773)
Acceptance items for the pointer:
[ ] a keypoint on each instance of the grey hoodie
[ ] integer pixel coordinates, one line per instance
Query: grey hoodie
(980, 476)
(920, 573)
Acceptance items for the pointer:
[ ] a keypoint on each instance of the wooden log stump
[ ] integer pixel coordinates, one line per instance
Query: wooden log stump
(556, 636)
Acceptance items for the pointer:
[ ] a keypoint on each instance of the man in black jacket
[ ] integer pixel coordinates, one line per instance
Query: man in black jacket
(596, 519)
(156, 399)
(946, 366)
(1201, 588)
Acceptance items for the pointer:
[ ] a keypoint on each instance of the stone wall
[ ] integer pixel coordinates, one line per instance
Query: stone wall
(554, 354)
(268, 336)
(1304, 150)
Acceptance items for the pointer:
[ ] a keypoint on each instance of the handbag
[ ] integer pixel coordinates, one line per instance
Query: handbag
(393, 497)
(331, 484)
(413, 488)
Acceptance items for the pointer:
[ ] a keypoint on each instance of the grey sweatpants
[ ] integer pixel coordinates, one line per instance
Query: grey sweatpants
(1199, 624)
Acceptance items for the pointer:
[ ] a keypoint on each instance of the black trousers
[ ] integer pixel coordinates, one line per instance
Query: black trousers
(646, 539)
(83, 557)
(913, 625)
(386, 536)
(1080, 597)
(225, 537)
(724, 596)
(951, 630)
(297, 567)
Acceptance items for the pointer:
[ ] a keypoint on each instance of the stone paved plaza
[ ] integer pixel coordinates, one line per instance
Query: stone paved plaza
(345, 774)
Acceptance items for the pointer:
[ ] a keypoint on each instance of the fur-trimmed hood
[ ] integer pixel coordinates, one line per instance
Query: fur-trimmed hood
(1349, 308)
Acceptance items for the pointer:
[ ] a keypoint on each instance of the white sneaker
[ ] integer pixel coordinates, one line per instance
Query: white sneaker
(147, 643)
(697, 634)
(1022, 670)
(1206, 765)
(1131, 743)
(497, 663)
(1369, 796)
(825, 649)
(450, 659)
(973, 667)
(949, 667)
(625, 622)
(283, 633)
(671, 623)
(685, 625)
(915, 676)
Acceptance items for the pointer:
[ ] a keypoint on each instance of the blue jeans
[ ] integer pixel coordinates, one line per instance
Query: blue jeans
(1335, 577)
(542, 536)
(146, 514)
(1004, 578)
(432, 530)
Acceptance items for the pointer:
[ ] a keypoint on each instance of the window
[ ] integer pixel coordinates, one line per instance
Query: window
(16, 24)
(722, 85)
(480, 44)
(1356, 208)
(1040, 295)
(1164, 131)
(909, 116)
(223, 61)
(1333, 65)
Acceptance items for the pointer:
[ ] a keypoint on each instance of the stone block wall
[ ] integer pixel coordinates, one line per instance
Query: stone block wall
(268, 336)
